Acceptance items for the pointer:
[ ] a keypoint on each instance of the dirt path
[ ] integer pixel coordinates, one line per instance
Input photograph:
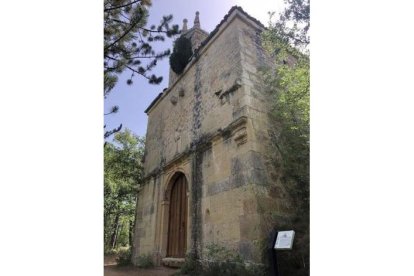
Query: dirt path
(111, 269)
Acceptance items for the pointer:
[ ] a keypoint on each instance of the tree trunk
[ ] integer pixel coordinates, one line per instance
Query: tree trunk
(115, 231)
(131, 230)
(106, 229)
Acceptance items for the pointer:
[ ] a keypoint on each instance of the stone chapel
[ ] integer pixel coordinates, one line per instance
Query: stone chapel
(206, 164)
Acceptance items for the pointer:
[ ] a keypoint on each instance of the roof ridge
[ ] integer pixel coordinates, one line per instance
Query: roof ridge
(216, 29)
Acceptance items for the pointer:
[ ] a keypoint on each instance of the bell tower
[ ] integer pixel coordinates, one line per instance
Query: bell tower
(195, 34)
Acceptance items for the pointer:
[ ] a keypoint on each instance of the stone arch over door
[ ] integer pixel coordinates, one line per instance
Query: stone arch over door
(176, 195)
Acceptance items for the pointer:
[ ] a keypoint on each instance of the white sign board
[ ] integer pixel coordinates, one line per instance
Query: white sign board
(284, 239)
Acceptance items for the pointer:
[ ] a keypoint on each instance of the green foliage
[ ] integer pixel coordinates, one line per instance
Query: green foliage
(181, 54)
(110, 251)
(216, 252)
(127, 40)
(220, 261)
(289, 84)
(190, 266)
(123, 172)
(145, 261)
(124, 256)
(293, 23)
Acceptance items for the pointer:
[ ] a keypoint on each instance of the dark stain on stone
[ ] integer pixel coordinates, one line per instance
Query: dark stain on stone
(258, 176)
(148, 210)
(276, 192)
(238, 177)
(258, 173)
(153, 188)
(245, 249)
(226, 134)
(196, 194)
(207, 158)
(197, 118)
(239, 112)
(248, 169)
(232, 89)
(218, 187)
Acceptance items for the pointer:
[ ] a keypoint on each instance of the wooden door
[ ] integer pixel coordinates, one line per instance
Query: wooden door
(177, 226)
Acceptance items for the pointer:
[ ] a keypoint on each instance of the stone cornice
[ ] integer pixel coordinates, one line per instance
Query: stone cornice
(200, 144)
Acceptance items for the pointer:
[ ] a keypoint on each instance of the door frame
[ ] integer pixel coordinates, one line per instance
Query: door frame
(166, 211)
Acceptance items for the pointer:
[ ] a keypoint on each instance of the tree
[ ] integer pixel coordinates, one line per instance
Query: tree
(294, 22)
(127, 43)
(289, 83)
(123, 172)
(181, 54)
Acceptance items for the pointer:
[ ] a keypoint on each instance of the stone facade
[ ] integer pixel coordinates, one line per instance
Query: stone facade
(211, 125)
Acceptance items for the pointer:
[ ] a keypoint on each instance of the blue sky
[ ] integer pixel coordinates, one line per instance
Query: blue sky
(134, 99)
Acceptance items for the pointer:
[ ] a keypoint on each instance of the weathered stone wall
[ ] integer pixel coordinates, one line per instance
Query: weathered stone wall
(273, 203)
(146, 205)
(204, 106)
(236, 175)
(212, 124)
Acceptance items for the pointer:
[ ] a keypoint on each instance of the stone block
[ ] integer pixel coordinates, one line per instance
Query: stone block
(249, 226)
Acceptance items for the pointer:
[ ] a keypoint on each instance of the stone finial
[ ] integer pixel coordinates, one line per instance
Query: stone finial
(185, 25)
(197, 21)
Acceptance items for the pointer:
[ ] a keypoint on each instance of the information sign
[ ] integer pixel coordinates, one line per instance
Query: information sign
(284, 240)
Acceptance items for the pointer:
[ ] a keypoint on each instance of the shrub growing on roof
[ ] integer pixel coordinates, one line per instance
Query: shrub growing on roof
(181, 54)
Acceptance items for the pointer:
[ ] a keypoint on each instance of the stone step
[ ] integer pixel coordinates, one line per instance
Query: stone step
(173, 262)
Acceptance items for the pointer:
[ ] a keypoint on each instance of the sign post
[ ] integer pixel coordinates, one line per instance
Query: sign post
(279, 240)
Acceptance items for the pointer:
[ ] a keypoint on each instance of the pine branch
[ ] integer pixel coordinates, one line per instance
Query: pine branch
(140, 37)
(156, 56)
(114, 109)
(122, 6)
(153, 56)
(122, 36)
(110, 132)
(153, 31)
(135, 71)
(130, 68)
(119, 21)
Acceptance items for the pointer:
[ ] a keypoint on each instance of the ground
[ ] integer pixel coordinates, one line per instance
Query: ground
(111, 269)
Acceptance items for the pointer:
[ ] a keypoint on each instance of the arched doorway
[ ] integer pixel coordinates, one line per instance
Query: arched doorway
(177, 223)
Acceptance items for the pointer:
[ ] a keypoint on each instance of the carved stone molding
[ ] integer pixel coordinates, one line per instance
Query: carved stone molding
(240, 136)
